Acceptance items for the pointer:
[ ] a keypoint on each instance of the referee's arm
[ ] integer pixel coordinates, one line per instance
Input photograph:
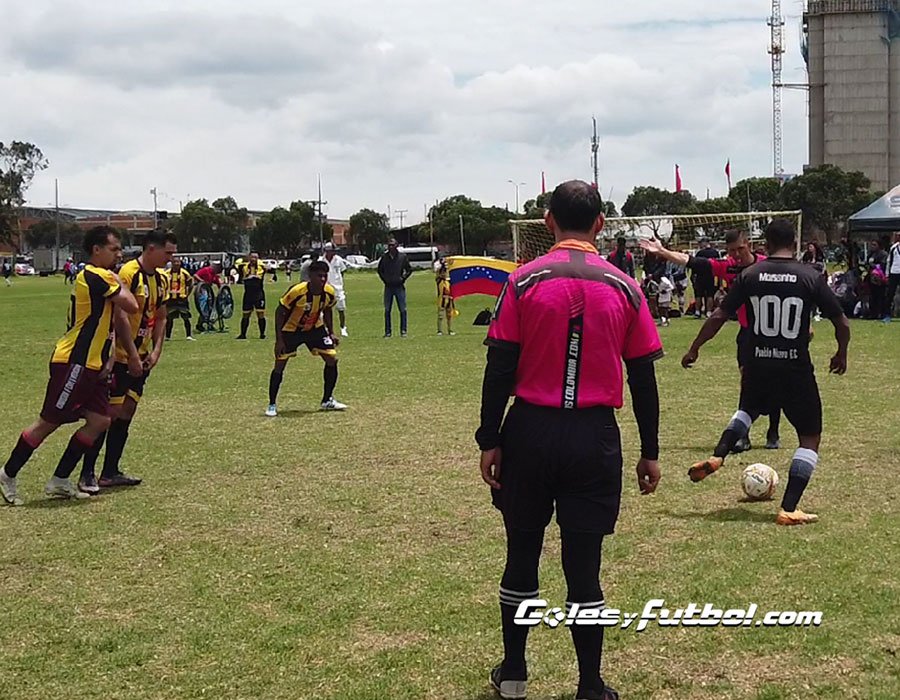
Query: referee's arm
(645, 403)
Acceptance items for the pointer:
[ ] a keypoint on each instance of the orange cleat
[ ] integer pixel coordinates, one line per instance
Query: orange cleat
(797, 517)
(703, 469)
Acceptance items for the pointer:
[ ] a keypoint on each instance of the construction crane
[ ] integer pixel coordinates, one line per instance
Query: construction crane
(595, 154)
(776, 51)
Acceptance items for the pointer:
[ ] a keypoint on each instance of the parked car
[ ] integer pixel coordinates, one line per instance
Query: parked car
(24, 269)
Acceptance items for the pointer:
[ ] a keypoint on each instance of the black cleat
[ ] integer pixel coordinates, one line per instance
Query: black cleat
(742, 445)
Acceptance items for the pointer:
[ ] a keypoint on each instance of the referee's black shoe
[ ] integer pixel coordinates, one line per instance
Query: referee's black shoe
(508, 688)
(606, 694)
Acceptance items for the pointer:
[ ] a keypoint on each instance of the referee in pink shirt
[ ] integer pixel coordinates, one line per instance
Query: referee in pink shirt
(561, 329)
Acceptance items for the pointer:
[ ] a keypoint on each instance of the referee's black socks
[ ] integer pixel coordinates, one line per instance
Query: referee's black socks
(262, 326)
(519, 583)
(581, 565)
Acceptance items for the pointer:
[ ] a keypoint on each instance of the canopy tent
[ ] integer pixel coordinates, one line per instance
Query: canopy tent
(881, 216)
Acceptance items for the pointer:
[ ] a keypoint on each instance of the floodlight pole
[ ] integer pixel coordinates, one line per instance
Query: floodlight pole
(462, 234)
(155, 212)
(56, 254)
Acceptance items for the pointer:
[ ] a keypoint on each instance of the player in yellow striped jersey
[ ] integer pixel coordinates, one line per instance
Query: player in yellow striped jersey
(79, 368)
(179, 283)
(304, 317)
(139, 343)
(253, 275)
(446, 305)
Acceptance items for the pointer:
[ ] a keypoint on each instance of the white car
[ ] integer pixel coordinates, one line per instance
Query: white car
(361, 261)
(24, 269)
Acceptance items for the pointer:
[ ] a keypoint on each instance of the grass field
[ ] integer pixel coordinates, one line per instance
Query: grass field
(356, 555)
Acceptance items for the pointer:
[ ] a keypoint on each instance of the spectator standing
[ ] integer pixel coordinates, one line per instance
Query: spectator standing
(622, 258)
(878, 280)
(704, 281)
(394, 269)
(893, 273)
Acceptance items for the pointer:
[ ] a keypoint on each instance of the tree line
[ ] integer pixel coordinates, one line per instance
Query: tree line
(826, 195)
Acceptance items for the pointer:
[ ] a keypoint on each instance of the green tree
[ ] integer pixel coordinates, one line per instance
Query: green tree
(764, 194)
(220, 227)
(481, 225)
(43, 235)
(537, 207)
(717, 205)
(652, 201)
(232, 220)
(368, 228)
(278, 233)
(827, 195)
(19, 163)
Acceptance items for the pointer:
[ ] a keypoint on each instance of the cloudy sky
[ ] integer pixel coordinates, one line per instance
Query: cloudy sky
(396, 103)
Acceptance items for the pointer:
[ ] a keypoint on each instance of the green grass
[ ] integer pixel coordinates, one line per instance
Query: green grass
(357, 555)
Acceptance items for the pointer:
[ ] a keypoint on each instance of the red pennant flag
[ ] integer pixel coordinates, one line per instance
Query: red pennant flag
(728, 173)
(543, 183)
(677, 178)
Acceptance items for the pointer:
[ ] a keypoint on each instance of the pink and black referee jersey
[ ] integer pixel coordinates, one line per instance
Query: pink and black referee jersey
(574, 318)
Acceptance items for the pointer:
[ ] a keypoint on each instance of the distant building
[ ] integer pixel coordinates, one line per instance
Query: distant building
(852, 54)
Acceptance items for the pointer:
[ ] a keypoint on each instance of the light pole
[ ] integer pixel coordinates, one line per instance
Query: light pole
(517, 185)
(462, 234)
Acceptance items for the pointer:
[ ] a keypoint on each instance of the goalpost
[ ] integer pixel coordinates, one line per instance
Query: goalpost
(531, 238)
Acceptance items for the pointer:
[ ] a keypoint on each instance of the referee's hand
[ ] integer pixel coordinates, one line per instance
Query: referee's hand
(490, 467)
(648, 475)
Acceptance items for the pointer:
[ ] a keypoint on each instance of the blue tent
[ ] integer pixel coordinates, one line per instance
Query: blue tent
(881, 216)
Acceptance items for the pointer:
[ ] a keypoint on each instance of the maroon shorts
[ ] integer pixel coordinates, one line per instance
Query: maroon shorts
(72, 391)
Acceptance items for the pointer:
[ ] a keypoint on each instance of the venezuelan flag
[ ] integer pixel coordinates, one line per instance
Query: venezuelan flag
(474, 275)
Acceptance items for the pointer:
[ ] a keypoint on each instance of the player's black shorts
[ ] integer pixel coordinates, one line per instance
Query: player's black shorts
(704, 287)
(253, 300)
(124, 385)
(318, 341)
(745, 346)
(794, 390)
(570, 459)
(178, 308)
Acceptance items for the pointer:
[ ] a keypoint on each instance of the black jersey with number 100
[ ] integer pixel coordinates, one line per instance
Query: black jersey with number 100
(780, 295)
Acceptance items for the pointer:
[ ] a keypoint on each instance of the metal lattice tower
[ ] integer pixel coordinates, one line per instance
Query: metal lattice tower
(776, 50)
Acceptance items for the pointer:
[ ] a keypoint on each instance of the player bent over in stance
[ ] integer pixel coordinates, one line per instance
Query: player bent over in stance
(304, 317)
(780, 295)
(79, 368)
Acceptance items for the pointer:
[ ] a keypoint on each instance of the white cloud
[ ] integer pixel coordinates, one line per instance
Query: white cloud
(400, 102)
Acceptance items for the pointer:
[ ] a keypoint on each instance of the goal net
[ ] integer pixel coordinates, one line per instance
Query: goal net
(531, 238)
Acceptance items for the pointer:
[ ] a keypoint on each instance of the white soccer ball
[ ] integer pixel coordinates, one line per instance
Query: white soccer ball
(554, 617)
(759, 481)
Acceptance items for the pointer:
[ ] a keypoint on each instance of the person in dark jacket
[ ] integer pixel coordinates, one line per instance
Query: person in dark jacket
(394, 269)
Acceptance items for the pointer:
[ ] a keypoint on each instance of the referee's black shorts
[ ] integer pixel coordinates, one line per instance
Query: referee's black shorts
(794, 390)
(570, 459)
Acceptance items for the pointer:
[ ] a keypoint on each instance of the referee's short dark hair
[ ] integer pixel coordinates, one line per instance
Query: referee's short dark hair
(98, 235)
(319, 266)
(159, 238)
(575, 205)
(780, 234)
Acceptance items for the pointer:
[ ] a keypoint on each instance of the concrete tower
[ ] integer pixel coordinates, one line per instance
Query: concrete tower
(853, 56)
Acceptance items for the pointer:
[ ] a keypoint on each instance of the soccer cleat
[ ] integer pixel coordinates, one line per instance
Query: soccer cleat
(773, 442)
(508, 689)
(63, 488)
(271, 411)
(262, 337)
(387, 335)
(332, 405)
(797, 517)
(606, 694)
(118, 479)
(89, 485)
(403, 334)
(742, 445)
(241, 337)
(8, 489)
(703, 469)
(344, 332)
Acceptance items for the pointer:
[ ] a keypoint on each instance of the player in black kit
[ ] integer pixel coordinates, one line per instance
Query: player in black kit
(780, 295)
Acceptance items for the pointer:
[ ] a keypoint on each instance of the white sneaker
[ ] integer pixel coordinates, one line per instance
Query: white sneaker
(190, 337)
(63, 488)
(440, 333)
(271, 411)
(452, 332)
(344, 332)
(332, 405)
(8, 489)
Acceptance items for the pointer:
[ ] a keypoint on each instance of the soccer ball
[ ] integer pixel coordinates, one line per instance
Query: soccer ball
(554, 618)
(759, 481)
